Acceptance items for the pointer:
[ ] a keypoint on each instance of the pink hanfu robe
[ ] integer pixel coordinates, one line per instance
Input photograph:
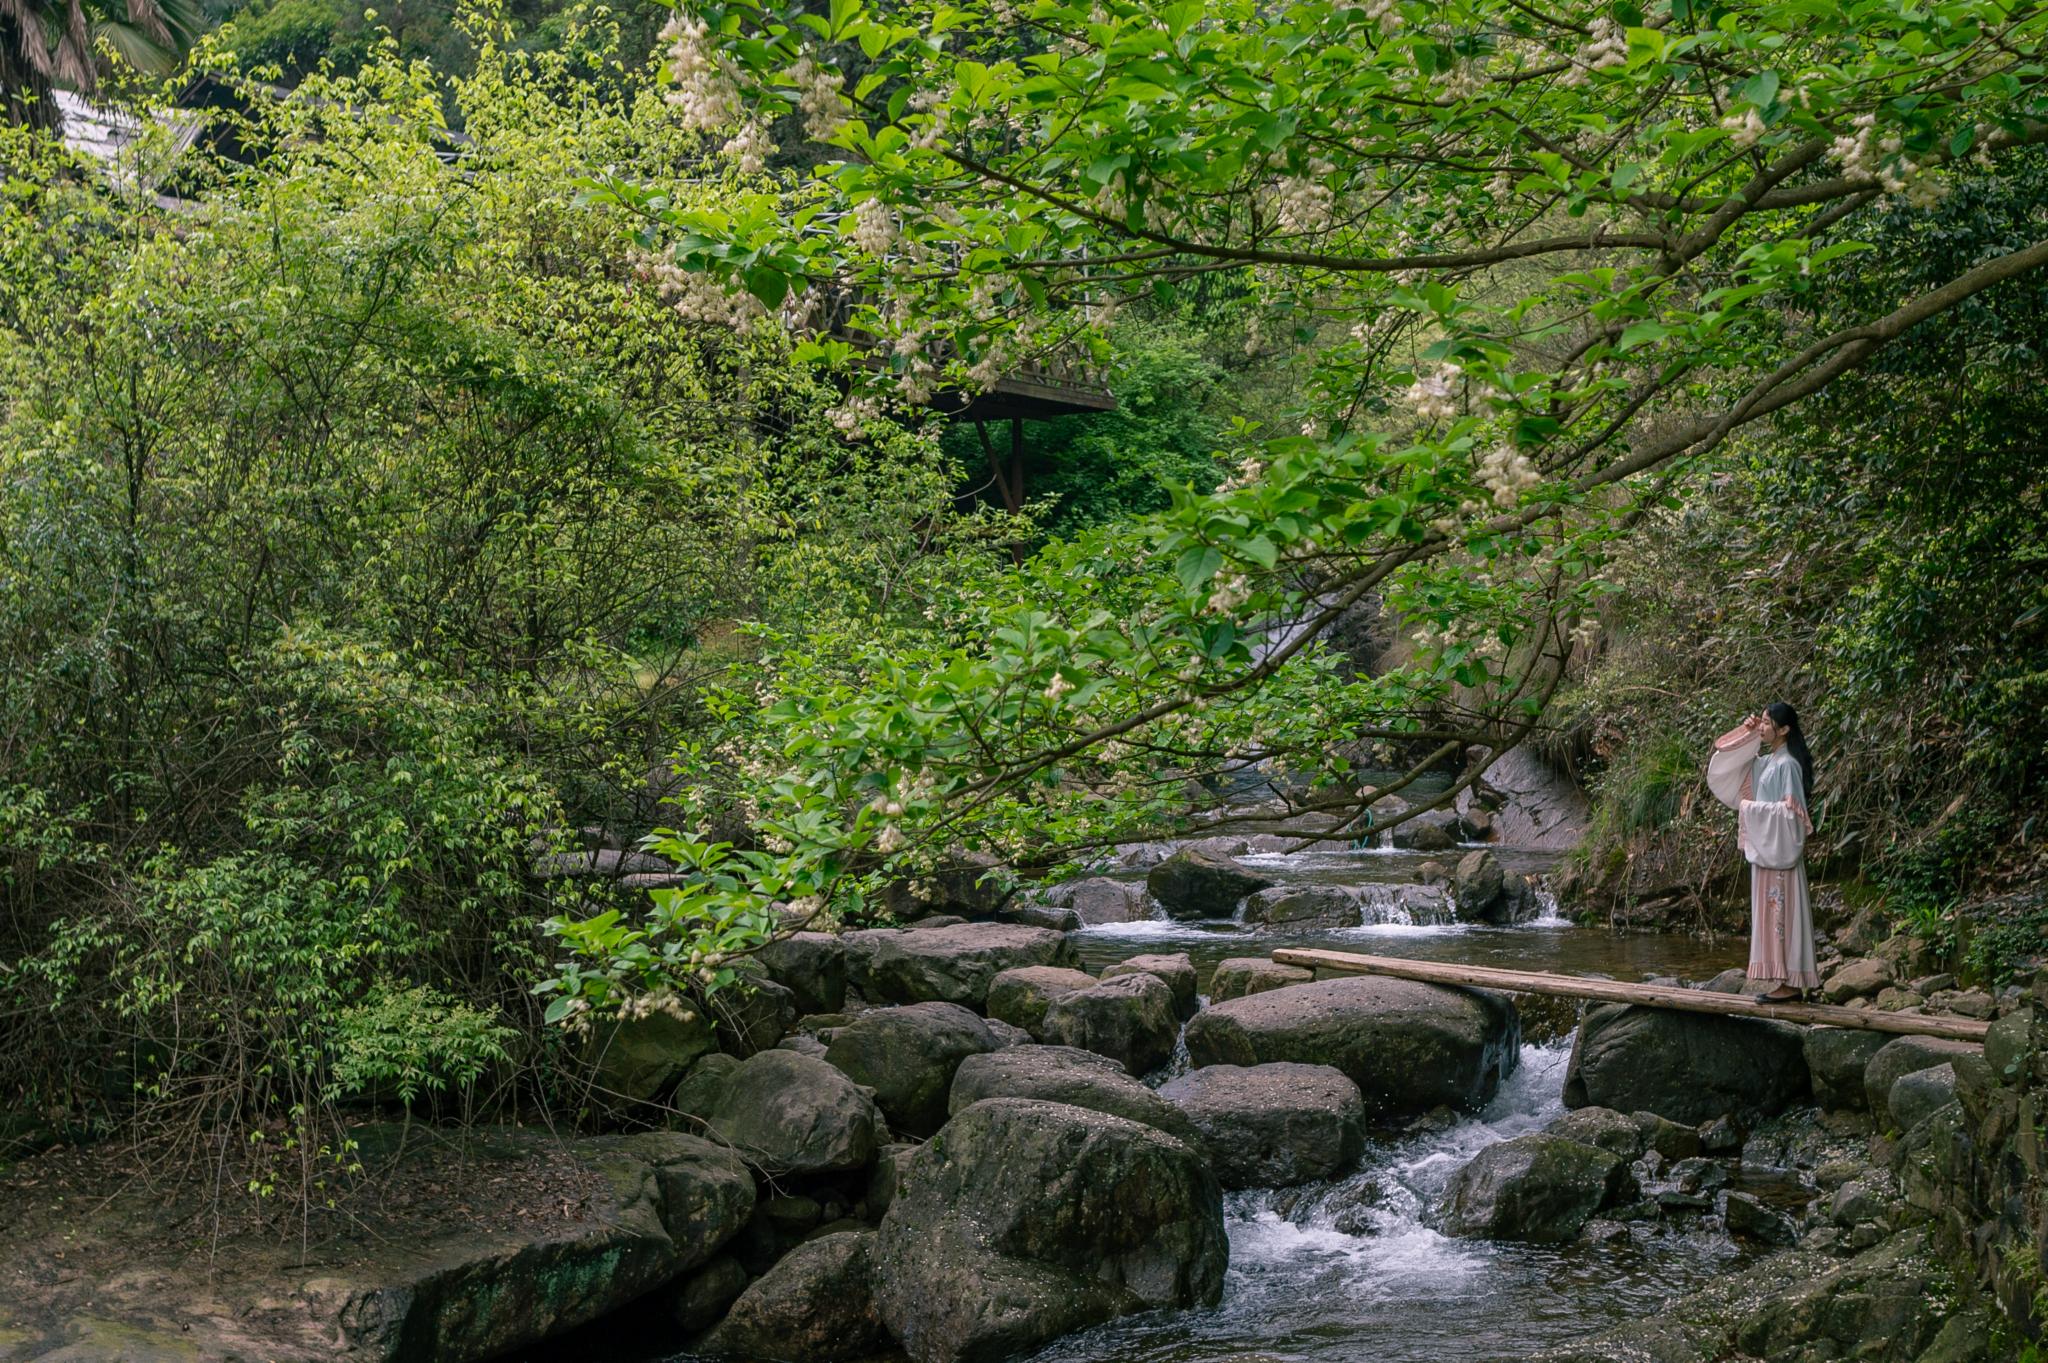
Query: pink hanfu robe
(1768, 796)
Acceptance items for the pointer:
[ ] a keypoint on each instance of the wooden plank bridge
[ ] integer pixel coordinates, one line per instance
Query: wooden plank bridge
(1646, 995)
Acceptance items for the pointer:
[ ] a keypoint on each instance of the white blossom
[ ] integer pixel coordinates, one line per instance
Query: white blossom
(1430, 396)
(874, 227)
(1606, 47)
(705, 91)
(1507, 472)
(751, 147)
(1229, 594)
(1745, 129)
(818, 96)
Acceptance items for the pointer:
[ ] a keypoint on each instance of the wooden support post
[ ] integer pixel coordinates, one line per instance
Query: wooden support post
(1646, 995)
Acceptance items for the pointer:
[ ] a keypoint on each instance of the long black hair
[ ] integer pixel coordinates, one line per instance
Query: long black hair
(1787, 718)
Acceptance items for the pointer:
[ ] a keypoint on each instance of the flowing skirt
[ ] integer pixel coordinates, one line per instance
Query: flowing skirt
(1780, 929)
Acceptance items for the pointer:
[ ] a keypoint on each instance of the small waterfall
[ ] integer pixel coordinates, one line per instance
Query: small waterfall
(1403, 906)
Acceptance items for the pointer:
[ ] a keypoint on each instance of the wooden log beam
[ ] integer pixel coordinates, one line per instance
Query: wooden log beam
(1645, 995)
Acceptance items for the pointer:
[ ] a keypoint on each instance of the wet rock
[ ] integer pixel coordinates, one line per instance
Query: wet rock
(1020, 997)
(1668, 1139)
(1064, 1074)
(1600, 1231)
(1408, 1046)
(1687, 1067)
(803, 1043)
(1857, 979)
(816, 1305)
(793, 1114)
(1435, 832)
(1023, 1221)
(1273, 1126)
(1479, 888)
(1722, 1136)
(1041, 916)
(1835, 1060)
(1895, 1000)
(1862, 1200)
(1304, 907)
(1604, 1129)
(1240, 976)
(1174, 970)
(907, 1055)
(1918, 1095)
(1101, 900)
(1535, 1187)
(1747, 1218)
(1130, 1019)
(1432, 872)
(1902, 1056)
(812, 966)
(1733, 980)
(1194, 884)
(951, 964)
(703, 1296)
(1699, 1175)
(1873, 1307)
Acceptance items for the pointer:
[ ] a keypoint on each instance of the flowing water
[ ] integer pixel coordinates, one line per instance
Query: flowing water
(1351, 1271)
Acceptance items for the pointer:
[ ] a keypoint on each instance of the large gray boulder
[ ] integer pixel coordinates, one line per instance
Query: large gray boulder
(1130, 1019)
(1193, 883)
(1303, 907)
(1434, 832)
(1101, 899)
(1021, 996)
(816, 1305)
(1273, 1126)
(950, 964)
(1902, 1056)
(1063, 1074)
(1685, 1067)
(1835, 1060)
(1023, 1221)
(1479, 888)
(786, 1113)
(812, 966)
(907, 1055)
(1920, 1094)
(1410, 1047)
(1239, 976)
(1605, 1129)
(1536, 1187)
(1174, 969)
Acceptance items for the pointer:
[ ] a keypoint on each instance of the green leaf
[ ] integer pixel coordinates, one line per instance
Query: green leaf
(1197, 566)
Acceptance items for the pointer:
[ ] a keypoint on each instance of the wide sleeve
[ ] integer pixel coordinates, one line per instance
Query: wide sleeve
(1729, 766)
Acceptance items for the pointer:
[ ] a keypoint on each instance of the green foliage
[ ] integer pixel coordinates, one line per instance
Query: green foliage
(1171, 428)
(359, 534)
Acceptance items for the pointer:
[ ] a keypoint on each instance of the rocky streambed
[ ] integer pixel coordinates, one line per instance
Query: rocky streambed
(1028, 1137)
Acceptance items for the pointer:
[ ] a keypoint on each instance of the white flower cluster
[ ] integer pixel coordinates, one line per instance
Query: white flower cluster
(1465, 80)
(1303, 204)
(705, 91)
(751, 146)
(1381, 12)
(658, 1001)
(1585, 632)
(1229, 594)
(1866, 156)
(1508, 472)
(1745, 129)
(1606, 47)
(1248, 472)
(818, 96)
(697, 297)
(1057, 687)
(1431, 398)
(851, 417)
(874, 227)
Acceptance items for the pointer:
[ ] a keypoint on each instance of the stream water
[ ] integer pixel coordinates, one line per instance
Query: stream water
(1350, 1271)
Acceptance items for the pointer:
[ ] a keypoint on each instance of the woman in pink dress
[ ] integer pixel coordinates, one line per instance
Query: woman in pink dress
(1762, 770)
